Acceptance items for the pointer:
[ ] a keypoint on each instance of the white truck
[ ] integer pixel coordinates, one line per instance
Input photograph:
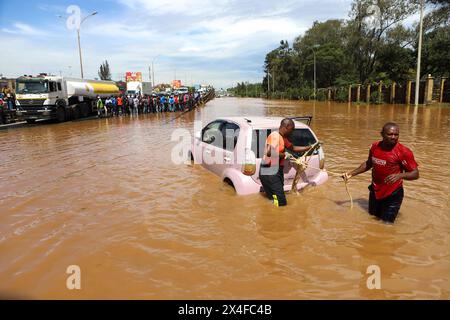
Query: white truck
(59, 98)
(138, 87)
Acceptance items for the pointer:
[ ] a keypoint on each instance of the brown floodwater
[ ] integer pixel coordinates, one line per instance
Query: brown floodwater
(104, 195)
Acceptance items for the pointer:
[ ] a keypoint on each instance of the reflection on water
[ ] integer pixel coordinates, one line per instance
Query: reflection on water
(103, 194)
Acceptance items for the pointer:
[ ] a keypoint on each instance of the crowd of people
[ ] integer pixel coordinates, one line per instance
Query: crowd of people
(141, 104)
(7, 103)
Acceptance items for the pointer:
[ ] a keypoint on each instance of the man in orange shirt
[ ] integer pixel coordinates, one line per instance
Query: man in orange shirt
(120, 105)
(271, 172)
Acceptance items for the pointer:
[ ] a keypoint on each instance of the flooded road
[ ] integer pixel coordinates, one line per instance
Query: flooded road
(104, 195)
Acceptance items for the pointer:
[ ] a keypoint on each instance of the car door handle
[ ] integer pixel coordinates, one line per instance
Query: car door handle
(208, 151)
(227, 159)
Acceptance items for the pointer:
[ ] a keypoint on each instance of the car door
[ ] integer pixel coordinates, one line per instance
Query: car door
(212, 146)
(230, 132)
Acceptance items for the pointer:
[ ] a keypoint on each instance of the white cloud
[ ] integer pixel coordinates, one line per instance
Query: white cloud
(184, 7)
(24, 29)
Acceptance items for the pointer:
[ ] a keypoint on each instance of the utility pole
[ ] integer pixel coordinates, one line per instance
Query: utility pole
(419, 56)
(315, 86)
(273, 81)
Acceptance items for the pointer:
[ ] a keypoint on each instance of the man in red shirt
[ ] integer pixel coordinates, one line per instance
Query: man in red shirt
(391, 163)
(271, 172)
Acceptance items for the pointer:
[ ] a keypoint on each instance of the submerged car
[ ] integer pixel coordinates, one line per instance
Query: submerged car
(233, 148)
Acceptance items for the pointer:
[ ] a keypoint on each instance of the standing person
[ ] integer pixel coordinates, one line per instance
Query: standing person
(154, 104)
(120, 105)
(186, 101)
(177, 102)
(100, 107)
(2, 112)
(172, 104)
(130, 104)
(136, 105)
(271, 172)
(391, 163)
(145, 104)
(163, 103)
(114, 106)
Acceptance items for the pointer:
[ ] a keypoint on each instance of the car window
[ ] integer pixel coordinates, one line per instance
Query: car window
(259, 138)
(231, 135)
(59, 86)
(212, 134)
(300, 137)
(52, 86)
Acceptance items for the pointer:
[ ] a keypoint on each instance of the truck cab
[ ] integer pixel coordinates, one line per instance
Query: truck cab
(37, 97)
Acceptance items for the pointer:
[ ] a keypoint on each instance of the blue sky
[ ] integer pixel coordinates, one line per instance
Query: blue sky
(218, 42)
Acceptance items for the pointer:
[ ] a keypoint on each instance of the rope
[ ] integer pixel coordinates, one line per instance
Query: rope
(302, 163)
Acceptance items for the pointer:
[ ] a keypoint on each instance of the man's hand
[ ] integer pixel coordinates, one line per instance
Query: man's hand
(346, 176)
(288, 156)
(390, 179)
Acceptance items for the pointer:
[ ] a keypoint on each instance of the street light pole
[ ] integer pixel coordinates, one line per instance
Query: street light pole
(419, 56)
(79, 51)
(315, 83)
(153, 69)
(315, 86)
(79, 41)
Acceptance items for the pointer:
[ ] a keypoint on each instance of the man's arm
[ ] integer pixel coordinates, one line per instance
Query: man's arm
(365, 166)
(412, 175)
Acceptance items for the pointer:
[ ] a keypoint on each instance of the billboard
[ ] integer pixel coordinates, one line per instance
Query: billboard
(133, 76)
(176, 84)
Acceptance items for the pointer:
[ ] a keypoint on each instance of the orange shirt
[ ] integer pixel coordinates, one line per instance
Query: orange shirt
(276, 140)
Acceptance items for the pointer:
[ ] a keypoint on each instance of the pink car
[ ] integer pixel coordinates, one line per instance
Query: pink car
(233, 148)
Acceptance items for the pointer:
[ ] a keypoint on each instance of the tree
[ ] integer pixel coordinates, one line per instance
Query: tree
(104, 73)
(370, 23)
(436, 48)
(329, 42)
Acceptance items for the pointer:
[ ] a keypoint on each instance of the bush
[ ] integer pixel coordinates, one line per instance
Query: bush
(376, 97)
(321, 95)
(306, 93)
(342, 95)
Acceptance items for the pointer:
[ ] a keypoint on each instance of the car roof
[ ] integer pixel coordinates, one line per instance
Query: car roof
(261, 122)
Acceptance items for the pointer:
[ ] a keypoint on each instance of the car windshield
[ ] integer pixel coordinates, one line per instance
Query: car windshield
(24, 87)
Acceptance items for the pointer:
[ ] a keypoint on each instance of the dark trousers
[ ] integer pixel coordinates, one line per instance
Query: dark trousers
(273, 185)
(386, 208)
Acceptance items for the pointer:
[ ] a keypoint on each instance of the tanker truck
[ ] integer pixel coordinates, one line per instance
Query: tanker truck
(59, 98)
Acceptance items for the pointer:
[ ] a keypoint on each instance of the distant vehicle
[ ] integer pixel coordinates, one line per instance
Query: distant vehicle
(183, 90)
(244, 138)
(138, 87)
(59, 98)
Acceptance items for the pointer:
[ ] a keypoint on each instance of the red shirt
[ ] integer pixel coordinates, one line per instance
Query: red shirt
(387, 162)
(276, 140)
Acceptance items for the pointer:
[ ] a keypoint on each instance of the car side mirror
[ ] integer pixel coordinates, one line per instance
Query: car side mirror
(198, 135)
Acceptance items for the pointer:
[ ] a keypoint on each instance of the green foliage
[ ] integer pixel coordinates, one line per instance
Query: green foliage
(321, 95)
(104, 73)
(376, 97)
(341, 95)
